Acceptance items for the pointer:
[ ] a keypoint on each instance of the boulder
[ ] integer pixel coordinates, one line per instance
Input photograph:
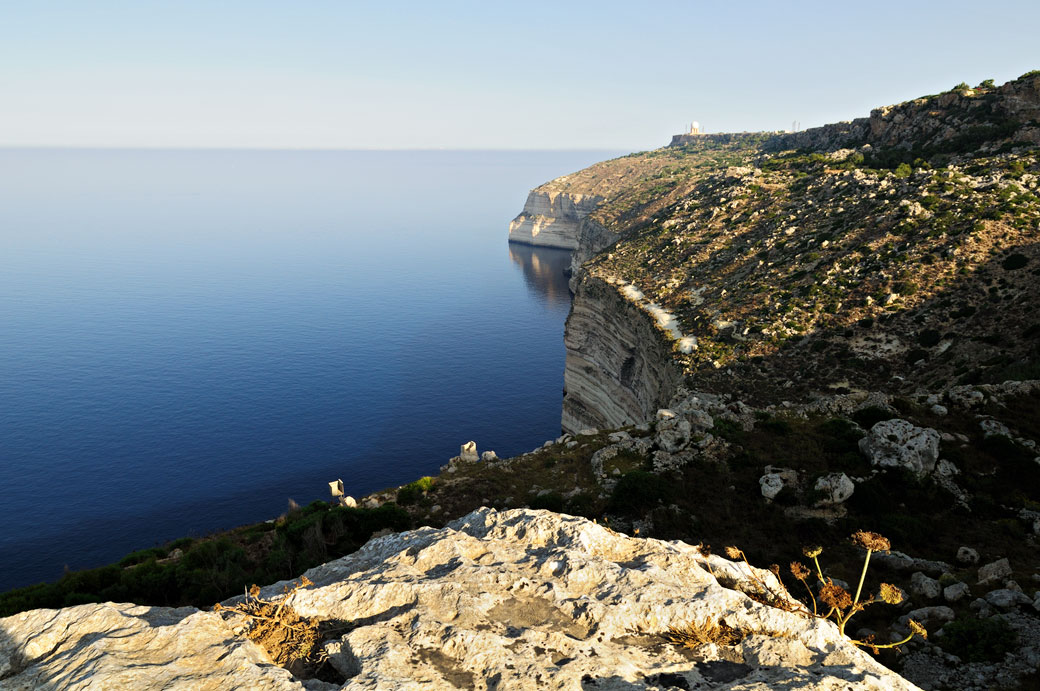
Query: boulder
(993, 428)
(995, 572)
(900, 444)
(899, 561)
(923, 586)
(489, 457)
(932, 617)
(956, 592)
(513, 599)
(673, 434)
(967, 555)
(775, 479)
(835, 488)
(1006, 599)
(468, 453)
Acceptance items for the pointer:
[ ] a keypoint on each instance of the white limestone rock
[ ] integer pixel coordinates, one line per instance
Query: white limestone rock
(673, 434)
(900, 444)
(956, 592)
(923, 586)
(995, 572)
(552, 218)
(775, 479)
(967, 555)
(509, 600)
(836, 489)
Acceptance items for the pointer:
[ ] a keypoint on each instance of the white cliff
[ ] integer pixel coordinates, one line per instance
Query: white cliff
(619, 368)
(552, 218)
(496, 600)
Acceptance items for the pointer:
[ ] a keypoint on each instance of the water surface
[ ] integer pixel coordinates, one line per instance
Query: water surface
(188, 339)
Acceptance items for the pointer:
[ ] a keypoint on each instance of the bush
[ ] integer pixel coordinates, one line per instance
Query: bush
(553, 501)
(637, 492)
(978, 640)
(870, 416)
(414, 491)
(903, 170)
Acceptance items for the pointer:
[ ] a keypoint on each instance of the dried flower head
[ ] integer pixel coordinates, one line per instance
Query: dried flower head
(918, 629)
(871, 541)
(835, 596)
(775, 569)
(733, 552)
(799, 571)
(891, 594)
(812, 551)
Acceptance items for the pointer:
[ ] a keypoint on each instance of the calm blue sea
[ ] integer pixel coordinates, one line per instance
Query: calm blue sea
(190, 338)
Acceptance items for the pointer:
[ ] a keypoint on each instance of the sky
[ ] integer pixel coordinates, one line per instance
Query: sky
(479, 75)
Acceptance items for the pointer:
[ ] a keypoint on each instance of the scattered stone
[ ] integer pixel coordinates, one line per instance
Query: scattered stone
(836, 488)
(587, 432)
(349, 502)
(903, 563)
(900, 444)
(956, 592)
(995, 572)
(932, 617)
(1006, 599)
(615, 437)
(489, 457)
(673, 434)
(982, 609)
(923, 586)
(775, 479)
(939, 410)
(992, 428)
(967, 555)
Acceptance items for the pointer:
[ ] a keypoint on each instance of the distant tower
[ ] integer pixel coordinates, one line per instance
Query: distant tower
(695, 127)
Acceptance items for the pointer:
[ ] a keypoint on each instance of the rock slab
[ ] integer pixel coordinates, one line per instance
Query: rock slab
(509, 600)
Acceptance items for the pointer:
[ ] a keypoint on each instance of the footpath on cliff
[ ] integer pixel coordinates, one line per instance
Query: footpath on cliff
(776, 342)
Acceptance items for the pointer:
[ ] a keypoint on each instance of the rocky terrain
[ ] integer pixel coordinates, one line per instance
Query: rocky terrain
(776, 341)
(518, 599)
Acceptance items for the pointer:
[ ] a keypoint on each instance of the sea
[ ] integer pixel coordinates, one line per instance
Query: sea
(191, 338)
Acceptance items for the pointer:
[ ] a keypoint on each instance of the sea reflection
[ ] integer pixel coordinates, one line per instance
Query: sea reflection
(544, 275)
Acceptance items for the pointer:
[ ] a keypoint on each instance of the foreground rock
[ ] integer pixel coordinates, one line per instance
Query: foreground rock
(513, 599)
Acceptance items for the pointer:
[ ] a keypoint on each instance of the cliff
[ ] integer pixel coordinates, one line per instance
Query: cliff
(619, 368)
(551, 218)
(507, 600)
(895, 252)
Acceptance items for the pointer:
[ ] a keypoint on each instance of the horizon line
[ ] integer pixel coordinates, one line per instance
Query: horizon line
(82, 147)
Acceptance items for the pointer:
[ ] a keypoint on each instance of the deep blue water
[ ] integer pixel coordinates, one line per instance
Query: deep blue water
(188, 339)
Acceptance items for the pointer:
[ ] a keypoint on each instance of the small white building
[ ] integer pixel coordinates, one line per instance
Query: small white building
(695, 128)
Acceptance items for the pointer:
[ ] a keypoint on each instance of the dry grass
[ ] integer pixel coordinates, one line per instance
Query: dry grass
(292, 641)
(696, 634)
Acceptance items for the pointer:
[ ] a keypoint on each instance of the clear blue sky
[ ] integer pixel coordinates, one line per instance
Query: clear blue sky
(613, 75)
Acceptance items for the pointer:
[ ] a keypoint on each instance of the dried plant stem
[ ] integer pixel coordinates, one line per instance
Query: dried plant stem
(862, 577)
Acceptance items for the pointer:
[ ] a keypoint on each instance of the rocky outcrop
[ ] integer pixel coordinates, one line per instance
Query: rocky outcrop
(508, 600)
(619, 368)
(552, 218)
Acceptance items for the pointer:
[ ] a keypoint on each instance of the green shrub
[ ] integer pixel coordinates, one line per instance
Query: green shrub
(637, 492)
(414, 491)
(553, 501)
(978, 640)
(870, 416)
(903, 170)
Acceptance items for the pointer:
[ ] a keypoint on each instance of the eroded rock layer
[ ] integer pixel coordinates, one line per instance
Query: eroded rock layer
(619, 368)
(551, 218)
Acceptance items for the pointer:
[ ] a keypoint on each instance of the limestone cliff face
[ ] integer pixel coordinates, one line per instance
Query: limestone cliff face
(619, 368)
(551, 218)
(495, 600)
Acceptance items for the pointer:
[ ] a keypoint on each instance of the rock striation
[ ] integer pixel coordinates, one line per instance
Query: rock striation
(552, 218)
(619, 369)
(509, 600)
